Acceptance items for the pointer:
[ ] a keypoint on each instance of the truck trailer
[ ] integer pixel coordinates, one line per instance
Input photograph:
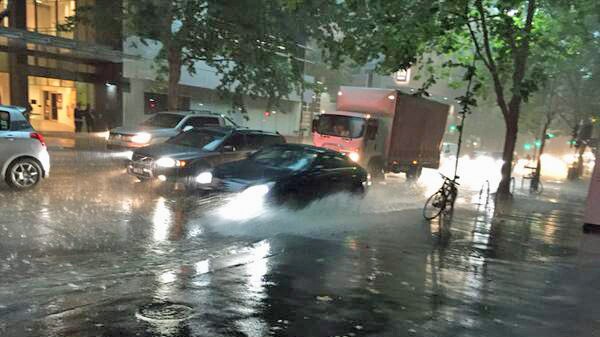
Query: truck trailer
(385, 130)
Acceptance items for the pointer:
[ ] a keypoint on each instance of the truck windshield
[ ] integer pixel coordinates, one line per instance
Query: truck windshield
(163, 121)
(341, 126)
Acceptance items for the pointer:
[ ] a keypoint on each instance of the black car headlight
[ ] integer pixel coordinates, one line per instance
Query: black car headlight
(204, 178)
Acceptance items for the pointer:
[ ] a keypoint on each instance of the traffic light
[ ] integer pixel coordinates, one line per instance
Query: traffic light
(527, 146)
(538, 143)
(550, 135)
(452, 128)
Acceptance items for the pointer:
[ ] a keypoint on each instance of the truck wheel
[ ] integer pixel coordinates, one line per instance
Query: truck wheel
(375, 168)
(413, 173)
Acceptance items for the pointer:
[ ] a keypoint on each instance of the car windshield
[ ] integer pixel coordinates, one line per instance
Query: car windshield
(285, 158)
(203, 139)
(341, 126)
(163, 121)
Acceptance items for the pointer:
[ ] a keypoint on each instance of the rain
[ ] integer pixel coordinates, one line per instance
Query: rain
(299, 168)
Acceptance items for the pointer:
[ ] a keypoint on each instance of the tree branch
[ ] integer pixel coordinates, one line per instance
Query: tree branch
(498, 87)
(521, 56)
(477, 47)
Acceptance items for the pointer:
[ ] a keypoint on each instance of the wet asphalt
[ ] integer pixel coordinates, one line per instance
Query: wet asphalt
(93, 252)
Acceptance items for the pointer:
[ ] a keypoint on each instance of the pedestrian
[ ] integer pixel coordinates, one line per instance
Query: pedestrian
(28, 112)
(89, 118)
(78, 118)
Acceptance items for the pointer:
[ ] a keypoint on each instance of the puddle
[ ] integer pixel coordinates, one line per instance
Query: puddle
(164, 312)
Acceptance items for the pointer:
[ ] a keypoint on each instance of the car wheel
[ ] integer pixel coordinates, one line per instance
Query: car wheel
(359, 191)
(23, 174)
(414, 173)
(375, 168)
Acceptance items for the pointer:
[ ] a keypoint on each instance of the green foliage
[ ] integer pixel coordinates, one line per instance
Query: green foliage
(256, 46)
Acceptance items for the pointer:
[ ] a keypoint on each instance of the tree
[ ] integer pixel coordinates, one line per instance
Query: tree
(580, 94)
(540, 113)
(256, 47)
(501, 36)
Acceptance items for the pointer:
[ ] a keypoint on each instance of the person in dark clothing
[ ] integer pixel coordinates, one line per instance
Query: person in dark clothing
(28, 112)
(78, 118)
(89, 118)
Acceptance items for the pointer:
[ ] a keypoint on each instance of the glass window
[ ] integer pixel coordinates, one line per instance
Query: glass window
(236, 140)
(4, 121)
(333, 161)
(256, 141)
(20, 125)
(199, 122)
(46, 16)
(204, 139)
(341, 126)
(163, 121)
(285, 158)
(3, 4)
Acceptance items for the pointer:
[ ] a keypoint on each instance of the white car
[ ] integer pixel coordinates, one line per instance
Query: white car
(162, 126)
(24, 158)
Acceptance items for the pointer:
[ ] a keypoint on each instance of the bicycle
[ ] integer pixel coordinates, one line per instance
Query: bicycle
(535, 183)
(443, 200)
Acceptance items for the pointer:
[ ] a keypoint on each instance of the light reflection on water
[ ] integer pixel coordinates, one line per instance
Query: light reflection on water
(161, 220)
(259, 267)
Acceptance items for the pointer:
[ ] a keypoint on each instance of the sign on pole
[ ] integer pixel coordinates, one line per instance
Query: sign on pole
(592, 211)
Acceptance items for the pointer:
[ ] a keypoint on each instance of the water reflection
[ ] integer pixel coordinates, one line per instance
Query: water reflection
(258, 268)
(161, 220)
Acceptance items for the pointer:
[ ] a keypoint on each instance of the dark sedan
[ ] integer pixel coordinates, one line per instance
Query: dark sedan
(289, 173)
(184, 157)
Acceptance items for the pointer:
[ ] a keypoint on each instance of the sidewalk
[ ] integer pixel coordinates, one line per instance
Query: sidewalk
(72, 140)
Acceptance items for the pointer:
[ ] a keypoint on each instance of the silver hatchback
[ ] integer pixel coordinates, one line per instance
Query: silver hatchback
(24, 158)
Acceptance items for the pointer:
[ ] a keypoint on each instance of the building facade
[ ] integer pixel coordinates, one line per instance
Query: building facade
(147, 94)
(53, 69)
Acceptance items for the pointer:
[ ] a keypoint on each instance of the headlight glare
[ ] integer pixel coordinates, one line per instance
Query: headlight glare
(204, 178)
(256, 191)
(354, 156)
(141, 138)
(166, 162)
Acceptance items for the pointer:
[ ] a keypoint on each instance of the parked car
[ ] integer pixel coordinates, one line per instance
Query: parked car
(183, 157)
(24, 159)
(294, 174)
(162, 126)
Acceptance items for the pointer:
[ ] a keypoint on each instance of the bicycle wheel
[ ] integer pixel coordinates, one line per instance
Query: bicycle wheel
(434, 206)
(451, 198)
(533, 189)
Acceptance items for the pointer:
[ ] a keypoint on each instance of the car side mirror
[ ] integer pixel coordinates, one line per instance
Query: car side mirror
(315, 125)
(187, 128)
(229, 148)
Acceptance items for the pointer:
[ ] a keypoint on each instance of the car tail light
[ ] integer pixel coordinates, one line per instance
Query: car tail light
(39, 137)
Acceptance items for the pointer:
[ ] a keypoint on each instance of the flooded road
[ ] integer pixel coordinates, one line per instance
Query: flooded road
(93, 252)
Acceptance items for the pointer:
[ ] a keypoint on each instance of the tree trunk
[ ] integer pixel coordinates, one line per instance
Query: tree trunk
(580, 153)
(174, 58)
(538, 167)
(510, 141)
